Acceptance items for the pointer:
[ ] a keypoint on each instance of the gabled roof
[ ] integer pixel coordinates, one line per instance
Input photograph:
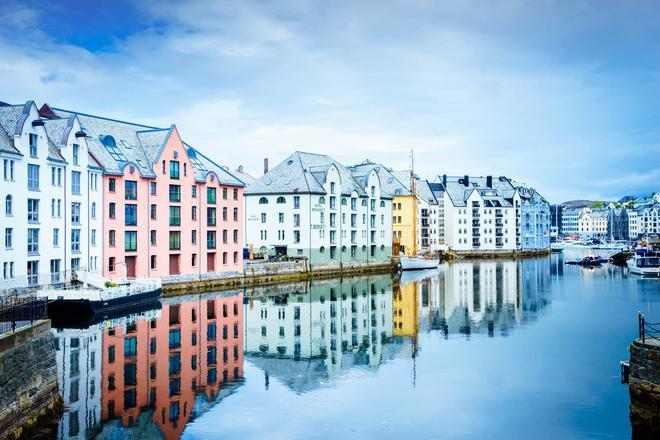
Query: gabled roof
(304, 173)
(9, 116)
(499, 193)
(390, 184)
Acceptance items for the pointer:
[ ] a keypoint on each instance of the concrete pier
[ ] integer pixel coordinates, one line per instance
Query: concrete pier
(29, 397)
(644, 382)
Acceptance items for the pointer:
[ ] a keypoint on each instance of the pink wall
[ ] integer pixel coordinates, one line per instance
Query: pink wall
(174, 150)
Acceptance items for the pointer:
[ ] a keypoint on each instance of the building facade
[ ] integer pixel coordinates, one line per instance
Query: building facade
(534, 221)
(570, 221)
(310, 205)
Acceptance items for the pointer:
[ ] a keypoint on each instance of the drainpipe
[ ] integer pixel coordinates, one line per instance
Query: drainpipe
(65, 203)
(309, 229)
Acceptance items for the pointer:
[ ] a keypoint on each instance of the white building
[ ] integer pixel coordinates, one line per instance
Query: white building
(47, 217)
(570, 221)
(633, 223)
(593, 223)
(310, 205)
(480, 213)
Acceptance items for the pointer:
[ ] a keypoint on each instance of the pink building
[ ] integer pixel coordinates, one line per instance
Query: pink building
(168, 209)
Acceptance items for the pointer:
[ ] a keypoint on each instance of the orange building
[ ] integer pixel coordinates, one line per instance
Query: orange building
(161, 364)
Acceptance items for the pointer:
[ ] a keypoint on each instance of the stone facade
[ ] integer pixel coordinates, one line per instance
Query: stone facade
(645, 388)
(28, 379)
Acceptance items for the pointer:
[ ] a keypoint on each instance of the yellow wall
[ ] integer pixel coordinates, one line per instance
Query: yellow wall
(404, 310)
(402, 222)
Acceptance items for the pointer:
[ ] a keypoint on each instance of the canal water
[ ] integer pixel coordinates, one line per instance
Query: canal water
(491, 349)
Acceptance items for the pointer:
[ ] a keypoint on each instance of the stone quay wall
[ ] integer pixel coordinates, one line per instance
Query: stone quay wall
(29, 397)
(504, 253)
(269, 273)
(644, 388)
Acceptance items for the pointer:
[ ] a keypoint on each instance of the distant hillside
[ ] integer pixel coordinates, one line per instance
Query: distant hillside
(577, 204)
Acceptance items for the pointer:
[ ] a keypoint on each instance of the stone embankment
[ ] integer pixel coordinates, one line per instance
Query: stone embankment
(29, 397)
(644, 383)
(268, 273)
(501, 254)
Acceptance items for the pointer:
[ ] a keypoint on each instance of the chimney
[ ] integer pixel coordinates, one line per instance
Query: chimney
(466, 180)
(489, 181)
(240, 168)
(265, 165)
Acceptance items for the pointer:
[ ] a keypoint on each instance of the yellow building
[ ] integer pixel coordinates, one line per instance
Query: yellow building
(404, 231)
(404, 309)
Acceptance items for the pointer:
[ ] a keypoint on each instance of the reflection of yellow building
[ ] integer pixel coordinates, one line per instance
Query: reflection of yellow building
(404, 231)
(404, 309)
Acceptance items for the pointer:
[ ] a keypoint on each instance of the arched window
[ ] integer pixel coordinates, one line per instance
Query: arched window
(344, 201)
(93, 209)
(322, 249)
(9, 206)
(364, 202)
(382, 203)
(382, 248)
(263, 201)
(364, 248)
(343, 249)
(321, 200)
(281, 200)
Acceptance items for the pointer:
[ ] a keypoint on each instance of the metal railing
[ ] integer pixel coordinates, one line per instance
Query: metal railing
(647, 329)
(17, 311)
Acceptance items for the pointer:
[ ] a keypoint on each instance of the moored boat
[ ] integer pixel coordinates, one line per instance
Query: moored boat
(418, 263)
(589, 261)
(645, 263)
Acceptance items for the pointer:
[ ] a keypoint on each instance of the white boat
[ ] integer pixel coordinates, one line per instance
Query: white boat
(645, 263)
(418, 263)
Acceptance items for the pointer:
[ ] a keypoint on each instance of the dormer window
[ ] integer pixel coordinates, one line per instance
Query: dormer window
(76, 151)
(33, 145)
(263, 201)
(281, 200)
(332, 187)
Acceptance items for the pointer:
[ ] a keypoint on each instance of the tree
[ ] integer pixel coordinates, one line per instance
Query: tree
(598, 205)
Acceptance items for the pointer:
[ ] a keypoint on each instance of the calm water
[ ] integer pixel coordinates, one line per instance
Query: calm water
(496, 349)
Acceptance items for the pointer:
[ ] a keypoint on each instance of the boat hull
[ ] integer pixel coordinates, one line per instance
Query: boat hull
(84, 310)
(411, 263)
(644, 271)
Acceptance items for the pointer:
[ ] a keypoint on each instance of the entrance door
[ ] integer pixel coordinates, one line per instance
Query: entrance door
(210, 262)
(130, 266)
(174, 264)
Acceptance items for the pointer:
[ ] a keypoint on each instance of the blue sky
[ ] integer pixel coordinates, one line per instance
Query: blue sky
(564, 96)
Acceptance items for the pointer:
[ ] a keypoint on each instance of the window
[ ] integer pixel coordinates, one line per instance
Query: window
(296, 202)
(263, 201)
(93, 237)
(224, 193)
(8, 270)
(224, 214)
(174, 169)
(175, 193)
(235, 214)
(55, 273)
(296, 220)
(8, 169)
(210, 240)
(130, 215)
(111, 238)
(130, 241)
(112, 184)
(194, 213)
(130, 190)
(56, 237)
(33, 177)
(235, 236)
(9, 205)
(153, 210)
(130, 347)
(193, 237)
(224, 258)
(211, 331)
(235, 191)
(9, 238)
(111, 210)
(75, 212)
(194, 191)
(75, 152)
(281, 200)
(152, 188)
(93, 210)
(263, 217)
(224, 236)
(175, 216)
(175, 338)
(33, 145)
(75, 182)
(152, 237)
(33, 211)
(210, 217)
(111, 268)
(175, 240)
(210, 196)
(75, 240)
(33, 241)
(280, 217)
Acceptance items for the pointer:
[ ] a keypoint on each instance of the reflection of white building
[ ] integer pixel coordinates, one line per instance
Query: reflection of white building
(79, 360)
(335, 326)
(479, 297)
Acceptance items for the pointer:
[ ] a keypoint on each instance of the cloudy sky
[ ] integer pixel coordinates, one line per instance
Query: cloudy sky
(562, 95)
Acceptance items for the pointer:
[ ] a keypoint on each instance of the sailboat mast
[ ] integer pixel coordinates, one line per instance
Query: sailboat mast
(414, 200)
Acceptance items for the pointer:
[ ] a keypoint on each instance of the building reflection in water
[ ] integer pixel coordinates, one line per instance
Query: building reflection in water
(308, 336)
(148, 376)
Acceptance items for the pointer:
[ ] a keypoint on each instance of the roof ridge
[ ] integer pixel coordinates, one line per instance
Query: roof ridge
(107, 119)
(304, 173)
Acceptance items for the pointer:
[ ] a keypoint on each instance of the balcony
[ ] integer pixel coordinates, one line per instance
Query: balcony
(499, 214)
(475, 223)
(475, 213)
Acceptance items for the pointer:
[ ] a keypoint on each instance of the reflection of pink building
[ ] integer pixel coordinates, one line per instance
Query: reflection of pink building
(160, 364)
(168, 209)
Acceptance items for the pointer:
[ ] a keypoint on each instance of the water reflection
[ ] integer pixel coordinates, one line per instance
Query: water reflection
(149, 375)
(310, 336)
